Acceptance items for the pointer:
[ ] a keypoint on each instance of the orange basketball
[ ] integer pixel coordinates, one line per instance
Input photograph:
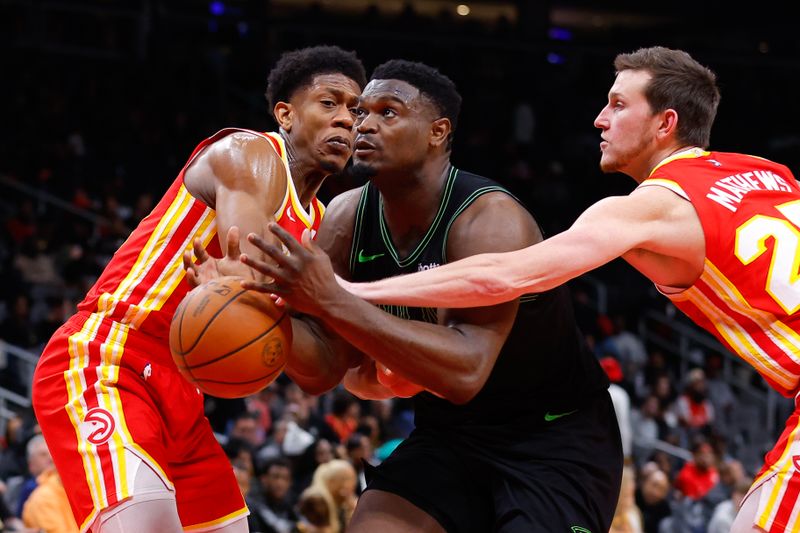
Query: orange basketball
(228, 341)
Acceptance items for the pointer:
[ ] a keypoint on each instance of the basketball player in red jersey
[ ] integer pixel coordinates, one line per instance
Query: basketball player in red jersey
(717, 232)
(126, 431)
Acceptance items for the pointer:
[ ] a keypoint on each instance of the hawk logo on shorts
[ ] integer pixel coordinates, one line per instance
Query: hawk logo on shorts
(579, 529)
(98, 426)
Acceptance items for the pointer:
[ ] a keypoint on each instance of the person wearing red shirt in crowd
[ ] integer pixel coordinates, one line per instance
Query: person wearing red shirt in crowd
(698, 476)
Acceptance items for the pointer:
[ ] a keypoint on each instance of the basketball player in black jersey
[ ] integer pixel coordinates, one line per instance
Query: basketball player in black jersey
(515, 430)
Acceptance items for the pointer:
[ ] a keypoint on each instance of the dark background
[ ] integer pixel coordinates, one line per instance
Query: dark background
(103, 100)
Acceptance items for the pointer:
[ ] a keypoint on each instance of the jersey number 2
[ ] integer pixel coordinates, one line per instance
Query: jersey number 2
(783, 279)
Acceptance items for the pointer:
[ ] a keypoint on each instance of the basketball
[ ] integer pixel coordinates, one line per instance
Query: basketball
(228, 341)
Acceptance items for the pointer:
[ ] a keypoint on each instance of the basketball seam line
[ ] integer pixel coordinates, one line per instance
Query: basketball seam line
(209, 322)
(245, 345)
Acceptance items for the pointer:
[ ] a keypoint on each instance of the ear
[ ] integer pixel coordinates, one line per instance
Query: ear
(284, 114)
(440, 131)
(668, 127)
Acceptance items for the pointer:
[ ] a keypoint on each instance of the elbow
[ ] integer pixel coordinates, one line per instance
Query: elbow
(496, 283)
(462, 388)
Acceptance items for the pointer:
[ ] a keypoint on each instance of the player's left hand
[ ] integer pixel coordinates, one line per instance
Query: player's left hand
(206, 267)
(304, 278)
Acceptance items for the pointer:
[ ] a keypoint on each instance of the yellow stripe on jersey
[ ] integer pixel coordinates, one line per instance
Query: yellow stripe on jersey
(739, 339)
(108, 399)
(691, 153)
(218, 522)
(669, 184)
(781, 335)
(160, 291)
(158, 241)
(76, 405)
(150, 251)
(783, 470)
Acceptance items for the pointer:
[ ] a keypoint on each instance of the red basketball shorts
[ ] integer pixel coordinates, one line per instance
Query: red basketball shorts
(778, 507)
(110, 401)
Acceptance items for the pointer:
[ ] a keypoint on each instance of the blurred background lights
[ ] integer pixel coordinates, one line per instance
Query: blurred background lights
(463, 10)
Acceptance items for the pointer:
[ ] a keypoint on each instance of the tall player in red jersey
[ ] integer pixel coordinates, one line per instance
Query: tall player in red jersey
(126, 431)
(717, 232)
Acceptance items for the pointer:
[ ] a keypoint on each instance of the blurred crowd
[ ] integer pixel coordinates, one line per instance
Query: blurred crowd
(93, 140)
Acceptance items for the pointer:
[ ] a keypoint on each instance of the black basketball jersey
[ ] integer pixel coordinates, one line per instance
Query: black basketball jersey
(544, 365)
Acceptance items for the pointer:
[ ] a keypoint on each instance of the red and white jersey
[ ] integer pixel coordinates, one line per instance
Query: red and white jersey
(748, 295)
(143, 283)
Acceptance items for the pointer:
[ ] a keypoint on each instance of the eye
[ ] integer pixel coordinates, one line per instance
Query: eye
(359, 111)
(328, 103)
(389, 112)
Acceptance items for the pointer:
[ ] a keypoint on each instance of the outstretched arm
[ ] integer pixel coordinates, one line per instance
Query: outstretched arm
(452, 358)
(607, 230)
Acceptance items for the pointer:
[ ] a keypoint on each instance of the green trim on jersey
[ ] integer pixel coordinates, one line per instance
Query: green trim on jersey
(387, 239)
(362, 204)
(464, 205)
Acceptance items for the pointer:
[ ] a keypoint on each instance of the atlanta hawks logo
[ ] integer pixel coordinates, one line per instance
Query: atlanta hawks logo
(98, 426)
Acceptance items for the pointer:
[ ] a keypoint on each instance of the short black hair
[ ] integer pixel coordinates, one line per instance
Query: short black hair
(279, 461)
(437, 87)
(297, 68)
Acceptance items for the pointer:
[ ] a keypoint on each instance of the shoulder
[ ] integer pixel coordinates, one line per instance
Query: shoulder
(240, 146)
(336, 229)
(344, 204)
(494, 222)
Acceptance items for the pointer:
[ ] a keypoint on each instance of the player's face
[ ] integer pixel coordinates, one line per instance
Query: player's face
(322, 120)
(628, 125)
(393, 124)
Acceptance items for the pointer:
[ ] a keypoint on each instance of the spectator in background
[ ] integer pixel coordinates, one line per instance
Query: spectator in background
(725, 512)
(319, 452)
(13, 460)
(632, 353)
(731, 473)
(651, 497)
(245, 427)
(720, 395)
(315, 513)
(698, 476)
(39, 461)
(622, 402)
(694, 410)
(47, 509)
(647, 427)
(627, 517)
(336, 479)
(359, 451)
(343, 418)
(273, 511)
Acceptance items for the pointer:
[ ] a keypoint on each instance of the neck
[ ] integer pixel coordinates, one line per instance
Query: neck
(305, 174)
(656, 159)
(411, 201)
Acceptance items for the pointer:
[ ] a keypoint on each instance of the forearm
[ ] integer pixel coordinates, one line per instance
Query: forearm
(316, 362)
(476, 281)
(489, 279)
(440, 359)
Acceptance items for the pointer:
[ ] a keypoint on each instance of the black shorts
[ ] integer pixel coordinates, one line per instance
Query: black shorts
(561, 475)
